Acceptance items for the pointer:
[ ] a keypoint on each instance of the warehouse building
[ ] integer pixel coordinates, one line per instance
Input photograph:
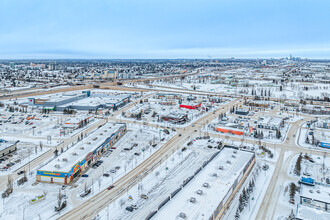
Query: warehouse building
(208, 193)
(57, 99)
(175, 117)
(7, 147)
(271, 123)
(316, 197)
(84, 101)
(230, 131)
(78, 122)
(190, 105)
(322, 138)
(242, 112)
(323, 123)
(168, 96)
(71, 163)
(316, 109)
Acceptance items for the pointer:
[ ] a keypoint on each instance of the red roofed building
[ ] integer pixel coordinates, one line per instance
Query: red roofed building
(191, 106)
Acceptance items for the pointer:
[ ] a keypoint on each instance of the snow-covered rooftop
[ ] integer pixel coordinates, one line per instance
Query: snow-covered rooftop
(68, 159)
(305, 212)
(211, 197)
(318, 192)
(5, 144)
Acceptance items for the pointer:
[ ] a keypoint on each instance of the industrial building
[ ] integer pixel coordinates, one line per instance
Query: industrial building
(322, 138)
(323, 123)
(316, 109)
(80, 101)
(258, 103)
(271, 123)
(216, 99)
(175, 118)
(208, 193)
(230, 131)
(7, 147)
(168, 96)
(71, 163)
(242, 112)
(316, 197)
(191, 105)
(54, 100)
(77, 122)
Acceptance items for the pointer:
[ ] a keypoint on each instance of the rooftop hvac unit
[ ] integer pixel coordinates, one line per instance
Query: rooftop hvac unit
(182, 215)
(192, 199)
(57, 166)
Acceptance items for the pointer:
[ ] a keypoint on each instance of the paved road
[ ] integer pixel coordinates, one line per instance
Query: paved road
(94, 205)
(65, 142)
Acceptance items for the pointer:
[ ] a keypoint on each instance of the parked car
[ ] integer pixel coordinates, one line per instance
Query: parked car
(129, 208)
(110, 187)
(20, 172)
(113, 171)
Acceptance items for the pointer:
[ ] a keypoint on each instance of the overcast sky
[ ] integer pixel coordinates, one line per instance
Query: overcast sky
(164, 28)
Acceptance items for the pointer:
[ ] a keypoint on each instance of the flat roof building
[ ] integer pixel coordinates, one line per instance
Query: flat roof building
(317, 196)
(84, 101)
(71, 163)
(242, 112)
(217, 188)
(7, 147)
(272, 123)
(77, 122)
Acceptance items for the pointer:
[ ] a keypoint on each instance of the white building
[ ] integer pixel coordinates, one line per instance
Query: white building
(272, 123)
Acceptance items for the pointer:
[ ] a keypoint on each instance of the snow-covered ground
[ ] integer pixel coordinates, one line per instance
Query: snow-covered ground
(126, 160)
(159, 183)
(212, 195)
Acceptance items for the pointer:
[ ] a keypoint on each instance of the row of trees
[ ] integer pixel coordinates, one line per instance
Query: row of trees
(45, 111)
(244, 198)
(69, 111)
(262, 92)
(313, 141)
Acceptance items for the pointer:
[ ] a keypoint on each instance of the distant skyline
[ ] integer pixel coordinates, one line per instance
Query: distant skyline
(151, 29)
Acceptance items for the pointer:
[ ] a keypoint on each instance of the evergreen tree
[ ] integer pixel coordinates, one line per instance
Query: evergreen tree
(307, 140)
(245, 197)
(237, 214)
(250, 187)
(297, 167)
(241, 203)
